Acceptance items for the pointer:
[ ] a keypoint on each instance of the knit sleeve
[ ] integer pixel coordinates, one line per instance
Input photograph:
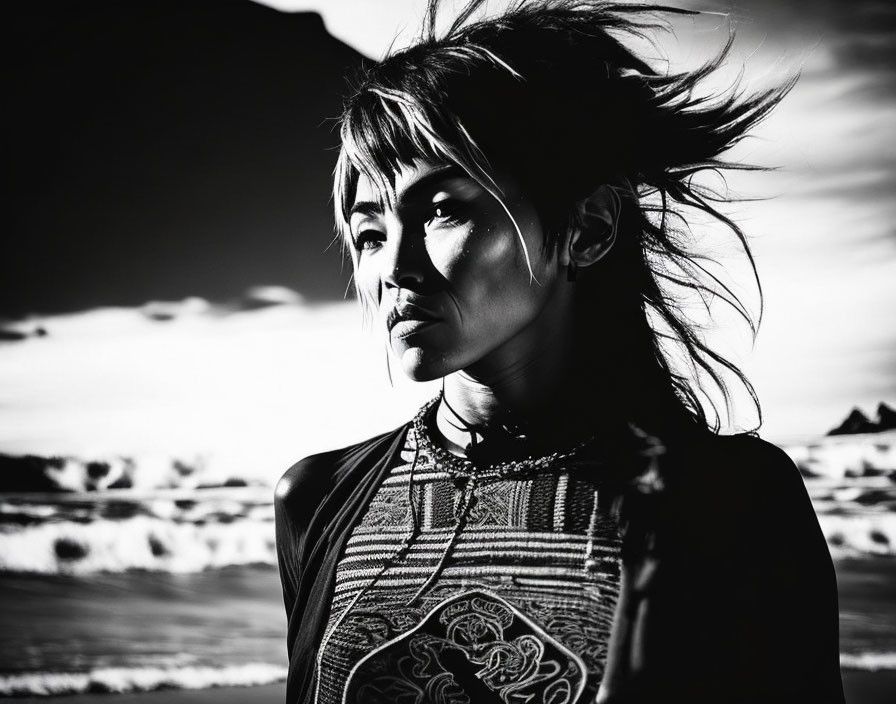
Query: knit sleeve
(295, 501)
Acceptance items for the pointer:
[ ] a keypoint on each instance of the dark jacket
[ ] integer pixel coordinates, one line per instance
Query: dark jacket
(735, 602)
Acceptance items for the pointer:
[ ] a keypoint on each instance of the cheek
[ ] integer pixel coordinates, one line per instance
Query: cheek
(499, 250)
(483, 260)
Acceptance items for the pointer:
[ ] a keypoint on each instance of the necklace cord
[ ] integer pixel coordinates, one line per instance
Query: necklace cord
(471, 428)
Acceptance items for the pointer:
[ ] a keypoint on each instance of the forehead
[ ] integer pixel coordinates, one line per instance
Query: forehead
(407, 177)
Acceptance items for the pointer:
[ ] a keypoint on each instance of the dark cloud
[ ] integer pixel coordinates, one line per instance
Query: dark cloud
(167, 149)
(861, 34)
(860, 37)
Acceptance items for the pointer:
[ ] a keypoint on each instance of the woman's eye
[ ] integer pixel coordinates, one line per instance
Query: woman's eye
(444, 213)
(368, 239)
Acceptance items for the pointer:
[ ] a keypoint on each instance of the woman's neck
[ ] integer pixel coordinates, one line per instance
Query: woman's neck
(527, 387)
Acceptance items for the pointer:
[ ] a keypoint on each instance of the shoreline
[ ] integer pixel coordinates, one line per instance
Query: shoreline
(860, 686)
(261, 694)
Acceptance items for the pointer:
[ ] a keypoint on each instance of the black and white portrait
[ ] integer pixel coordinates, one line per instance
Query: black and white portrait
(449, 352)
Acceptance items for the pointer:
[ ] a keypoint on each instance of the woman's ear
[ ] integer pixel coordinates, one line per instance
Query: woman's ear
(594, 231)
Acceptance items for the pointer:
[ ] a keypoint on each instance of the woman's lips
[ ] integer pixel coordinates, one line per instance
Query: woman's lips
(407, 327)
(407, 318)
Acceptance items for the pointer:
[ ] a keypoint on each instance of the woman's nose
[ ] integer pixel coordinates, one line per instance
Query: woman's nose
(406, 260)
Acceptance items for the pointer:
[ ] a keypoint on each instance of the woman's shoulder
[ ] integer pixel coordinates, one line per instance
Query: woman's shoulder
(306, 480)
(306, 474)
(741, 488)
(744, 460)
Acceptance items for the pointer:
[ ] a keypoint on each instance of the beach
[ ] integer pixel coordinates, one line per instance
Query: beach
(227, 618)
(860, 688)
(267, 694)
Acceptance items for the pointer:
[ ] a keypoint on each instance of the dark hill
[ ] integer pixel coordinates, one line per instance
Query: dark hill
(886, 417)
(167, 148)
(855, 422)
(858, 422)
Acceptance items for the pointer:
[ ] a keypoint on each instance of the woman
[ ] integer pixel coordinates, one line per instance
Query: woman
(562, 523)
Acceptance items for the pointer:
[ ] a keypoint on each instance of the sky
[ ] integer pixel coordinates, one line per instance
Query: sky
(228, 376)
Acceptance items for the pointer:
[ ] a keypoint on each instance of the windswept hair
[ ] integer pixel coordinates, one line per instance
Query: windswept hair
(549, 93)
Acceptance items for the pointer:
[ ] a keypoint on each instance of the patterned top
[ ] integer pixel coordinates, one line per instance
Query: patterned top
(520, 608)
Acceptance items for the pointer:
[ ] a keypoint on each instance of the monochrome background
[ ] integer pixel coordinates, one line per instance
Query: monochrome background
(177, 324)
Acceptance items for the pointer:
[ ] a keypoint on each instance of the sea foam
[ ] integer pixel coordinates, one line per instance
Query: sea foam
(182, 531)
(868, 661)
(140, 679)
(141, 542)
(145, 679)
(856, 535)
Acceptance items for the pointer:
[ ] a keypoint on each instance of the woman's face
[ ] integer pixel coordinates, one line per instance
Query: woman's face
(447, 272)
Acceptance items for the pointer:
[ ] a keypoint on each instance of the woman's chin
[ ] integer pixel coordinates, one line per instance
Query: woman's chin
(421, 365)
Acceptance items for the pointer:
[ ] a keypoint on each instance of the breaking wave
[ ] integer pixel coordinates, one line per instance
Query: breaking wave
(139, 679)
(137, 543)
(869, 661)
(854, 536)
(182, 531)
(146, 679)
(155, 544)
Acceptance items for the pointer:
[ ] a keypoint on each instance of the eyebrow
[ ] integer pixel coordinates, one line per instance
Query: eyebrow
(373, 208)
(370, 208)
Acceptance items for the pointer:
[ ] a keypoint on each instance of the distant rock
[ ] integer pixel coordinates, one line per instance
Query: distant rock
(886, 417)
(125, 481)
(856, 422)
(68, 550)
(32, 473)
(36, 474)
(28, 473)
(16, 335)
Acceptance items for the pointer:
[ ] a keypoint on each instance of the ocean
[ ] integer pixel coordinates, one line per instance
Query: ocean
(123, 590)
(120, 591)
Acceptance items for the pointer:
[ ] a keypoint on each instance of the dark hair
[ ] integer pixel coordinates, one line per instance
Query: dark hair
(548, 93)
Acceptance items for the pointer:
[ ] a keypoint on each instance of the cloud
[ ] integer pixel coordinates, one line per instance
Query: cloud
(250, 391)
(861, 35)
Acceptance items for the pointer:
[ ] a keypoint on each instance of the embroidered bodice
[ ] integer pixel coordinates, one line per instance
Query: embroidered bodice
(518, 610)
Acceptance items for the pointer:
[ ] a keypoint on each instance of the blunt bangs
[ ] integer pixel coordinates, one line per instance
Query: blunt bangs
(399, 115)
